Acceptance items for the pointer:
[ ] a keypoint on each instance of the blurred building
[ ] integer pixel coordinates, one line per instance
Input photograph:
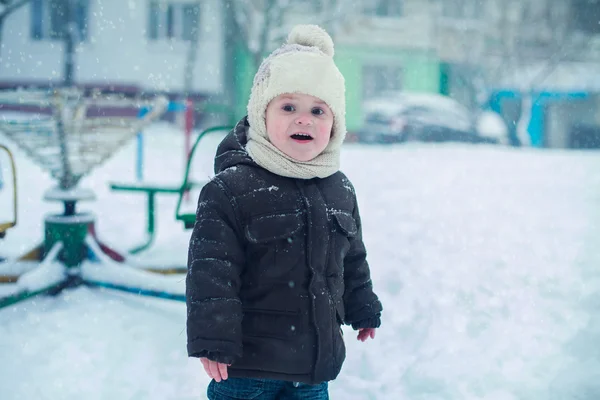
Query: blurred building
(381, 45)
(130, 47)
(532, 59)
(470, 50)
(143, 46)
(128, 44)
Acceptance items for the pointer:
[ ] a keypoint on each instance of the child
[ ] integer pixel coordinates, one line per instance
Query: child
(276, 259)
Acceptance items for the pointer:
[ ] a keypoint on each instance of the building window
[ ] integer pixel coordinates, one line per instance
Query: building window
(317, 5)
(477, 9)
(191, 13)
(173, 21)
(586, 16)
(304, 6)
(378, 79)
(453, 8)
(384, 8)
(462, 9)
(50, 19)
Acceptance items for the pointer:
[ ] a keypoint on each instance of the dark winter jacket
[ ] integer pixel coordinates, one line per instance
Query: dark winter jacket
(275, 266)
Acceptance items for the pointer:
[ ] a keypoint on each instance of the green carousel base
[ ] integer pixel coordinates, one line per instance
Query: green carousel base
(69, 241)
(71, 231)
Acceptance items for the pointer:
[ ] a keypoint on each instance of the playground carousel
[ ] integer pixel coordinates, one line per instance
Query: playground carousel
(69, 134)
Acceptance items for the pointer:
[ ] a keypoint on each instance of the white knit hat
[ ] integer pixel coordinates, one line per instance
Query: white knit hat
(303, 65)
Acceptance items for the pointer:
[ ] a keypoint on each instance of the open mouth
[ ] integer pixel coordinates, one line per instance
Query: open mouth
(303, 137)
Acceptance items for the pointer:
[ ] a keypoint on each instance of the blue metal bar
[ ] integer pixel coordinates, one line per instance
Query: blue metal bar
(175, 106)
(536, 125)
(138, 291)
(139, 166)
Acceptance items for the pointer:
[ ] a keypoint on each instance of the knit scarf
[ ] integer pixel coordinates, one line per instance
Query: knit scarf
(265, 154)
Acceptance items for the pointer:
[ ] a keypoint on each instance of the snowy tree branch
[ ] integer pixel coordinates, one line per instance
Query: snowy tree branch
(260, 23)
(11, 7)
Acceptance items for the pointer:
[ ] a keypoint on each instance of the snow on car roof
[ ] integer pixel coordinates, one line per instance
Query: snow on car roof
(394, 102)
(440, 110)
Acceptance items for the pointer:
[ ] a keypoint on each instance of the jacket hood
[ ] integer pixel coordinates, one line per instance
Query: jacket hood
(232, 150)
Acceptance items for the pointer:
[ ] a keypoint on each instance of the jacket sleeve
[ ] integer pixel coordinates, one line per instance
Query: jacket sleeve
(363, 308)
(215, 263)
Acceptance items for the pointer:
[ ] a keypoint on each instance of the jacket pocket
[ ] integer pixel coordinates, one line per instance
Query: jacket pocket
(269, 228)
(346, 223)
(274, 324)
(278, 341)
(276, 244)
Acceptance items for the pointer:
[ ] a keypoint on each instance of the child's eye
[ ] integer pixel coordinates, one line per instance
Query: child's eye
(288, 108)
(318, 111)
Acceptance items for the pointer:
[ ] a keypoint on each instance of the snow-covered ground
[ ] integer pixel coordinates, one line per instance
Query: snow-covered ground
(486, 260)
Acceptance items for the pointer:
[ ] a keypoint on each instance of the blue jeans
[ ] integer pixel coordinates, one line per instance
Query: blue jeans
(265, 389)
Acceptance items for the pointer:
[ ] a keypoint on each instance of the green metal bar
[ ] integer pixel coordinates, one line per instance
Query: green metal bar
(151, 192)
(151, 212)
(143, 246)
(24, 295)
(144, 188)
(149, 224)
(185, 185)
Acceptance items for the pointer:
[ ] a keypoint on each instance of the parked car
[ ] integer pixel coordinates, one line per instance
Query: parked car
(403, 116)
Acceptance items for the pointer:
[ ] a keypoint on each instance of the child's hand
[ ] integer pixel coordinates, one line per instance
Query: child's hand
(215, 370)
(365, 333)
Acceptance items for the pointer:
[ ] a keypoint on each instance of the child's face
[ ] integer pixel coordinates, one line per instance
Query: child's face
(299, 125)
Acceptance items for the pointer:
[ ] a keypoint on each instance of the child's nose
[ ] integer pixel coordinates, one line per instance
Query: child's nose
(304, 119)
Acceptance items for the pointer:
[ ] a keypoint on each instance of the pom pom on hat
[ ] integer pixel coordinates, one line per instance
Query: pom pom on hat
(312, 36)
